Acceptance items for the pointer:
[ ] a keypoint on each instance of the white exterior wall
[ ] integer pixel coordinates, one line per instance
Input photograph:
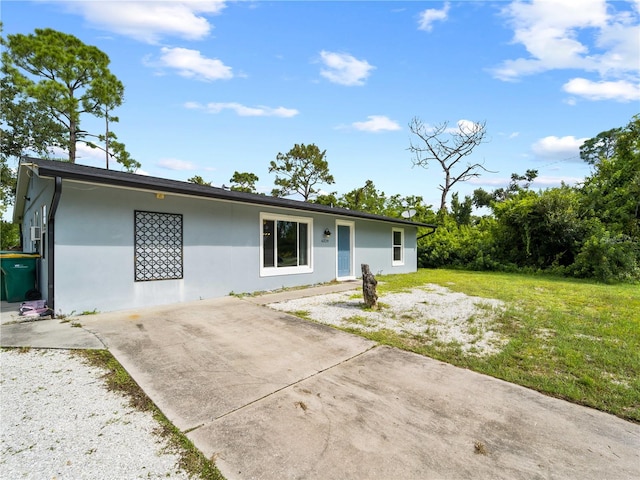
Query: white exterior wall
(94, 249)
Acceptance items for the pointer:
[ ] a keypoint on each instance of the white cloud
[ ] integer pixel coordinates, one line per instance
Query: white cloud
(149, 21)
(86, 154)
(468, 127)
(462, 125)
(344, 69)
(377, 123)
(550, 181)
(431, 15)
(243, 110)
(175, 164)
(620, 90)
(560, 148)
(191, 64)
(591, 35)
(549, 32)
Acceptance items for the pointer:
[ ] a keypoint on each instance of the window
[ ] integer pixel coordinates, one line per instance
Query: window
(398, 246)
(158, 246)
(286, 245)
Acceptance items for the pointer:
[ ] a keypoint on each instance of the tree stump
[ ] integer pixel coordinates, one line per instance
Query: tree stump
(369, 283)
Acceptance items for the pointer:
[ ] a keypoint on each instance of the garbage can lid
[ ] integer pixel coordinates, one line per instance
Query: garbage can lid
(10, 254)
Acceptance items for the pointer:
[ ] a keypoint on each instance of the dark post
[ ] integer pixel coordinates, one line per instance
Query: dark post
(369, 283)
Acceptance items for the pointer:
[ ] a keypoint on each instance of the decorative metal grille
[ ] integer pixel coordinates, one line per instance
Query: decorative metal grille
(158, 246)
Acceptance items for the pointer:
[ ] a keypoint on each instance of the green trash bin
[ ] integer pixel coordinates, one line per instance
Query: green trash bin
(18, 275)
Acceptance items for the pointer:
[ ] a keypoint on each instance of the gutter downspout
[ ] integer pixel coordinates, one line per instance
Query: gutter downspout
(428, 233)
(51, 243)
(434, 228)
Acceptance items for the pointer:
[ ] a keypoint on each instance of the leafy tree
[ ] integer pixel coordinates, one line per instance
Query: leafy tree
(482, 198)
(300, 170)
(396, 205)
(540, 230)
(448, 152)
(364, 199)
(198, 180)
(600, 147)
(64, 79)
(518, 183)
(328, 199)
(612, 192)
(7, 187)
(9, 235)
(611, 200)
(461, 211)
(112, 92)
(24, 127)
(460, 246)
(244, 182)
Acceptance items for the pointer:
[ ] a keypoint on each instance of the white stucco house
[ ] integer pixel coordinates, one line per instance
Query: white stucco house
(113, 240)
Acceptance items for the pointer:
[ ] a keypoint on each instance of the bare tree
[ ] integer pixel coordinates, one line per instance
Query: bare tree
(449, 151)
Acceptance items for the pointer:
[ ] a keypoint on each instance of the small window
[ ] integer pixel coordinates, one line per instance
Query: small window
(286, 245)
(158, 246)
(398, 246)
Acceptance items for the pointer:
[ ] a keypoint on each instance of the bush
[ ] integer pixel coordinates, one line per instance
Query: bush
(608, 258)
(453, 245)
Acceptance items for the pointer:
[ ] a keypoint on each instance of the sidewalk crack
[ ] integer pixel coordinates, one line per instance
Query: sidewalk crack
(292, 384)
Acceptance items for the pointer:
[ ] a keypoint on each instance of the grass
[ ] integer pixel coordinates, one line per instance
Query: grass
(117, 379)
(571, 339)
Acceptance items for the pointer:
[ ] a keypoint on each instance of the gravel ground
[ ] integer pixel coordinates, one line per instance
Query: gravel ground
(58, 421)
(432, 312)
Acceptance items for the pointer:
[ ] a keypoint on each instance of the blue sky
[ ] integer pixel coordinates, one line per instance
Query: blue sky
(213, 87)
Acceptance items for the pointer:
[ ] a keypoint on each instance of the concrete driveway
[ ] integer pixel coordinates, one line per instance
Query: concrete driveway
(270, 396)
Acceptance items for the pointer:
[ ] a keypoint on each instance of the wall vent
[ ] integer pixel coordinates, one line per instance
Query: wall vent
(35, 234)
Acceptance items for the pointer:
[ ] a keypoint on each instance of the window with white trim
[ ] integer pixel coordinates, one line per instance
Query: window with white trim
(398, 246)
(286, 244)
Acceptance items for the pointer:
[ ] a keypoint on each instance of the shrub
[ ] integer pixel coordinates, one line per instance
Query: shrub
(608, 258)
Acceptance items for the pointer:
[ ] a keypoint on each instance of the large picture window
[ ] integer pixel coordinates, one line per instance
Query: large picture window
(286, 245)
(158, 246)
(398, 246)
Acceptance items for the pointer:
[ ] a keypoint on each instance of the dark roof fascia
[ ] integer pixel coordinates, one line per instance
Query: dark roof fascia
(83, 173)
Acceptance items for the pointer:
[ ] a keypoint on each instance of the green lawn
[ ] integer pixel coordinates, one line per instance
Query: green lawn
(571, 339)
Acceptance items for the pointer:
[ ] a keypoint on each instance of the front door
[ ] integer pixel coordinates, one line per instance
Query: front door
(345, 255)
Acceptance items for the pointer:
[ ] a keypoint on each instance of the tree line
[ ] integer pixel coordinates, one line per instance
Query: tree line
(591, 230)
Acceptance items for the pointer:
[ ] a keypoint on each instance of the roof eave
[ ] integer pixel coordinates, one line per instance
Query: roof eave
(49, 168)
(22, 187)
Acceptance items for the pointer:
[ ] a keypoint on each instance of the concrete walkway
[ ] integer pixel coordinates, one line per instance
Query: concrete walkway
(19, 331)
(270, 396)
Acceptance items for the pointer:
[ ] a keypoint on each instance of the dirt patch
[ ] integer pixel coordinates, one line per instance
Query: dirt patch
(431, 312)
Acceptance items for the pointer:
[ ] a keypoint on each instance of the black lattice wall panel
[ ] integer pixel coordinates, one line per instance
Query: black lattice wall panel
(158, 246)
